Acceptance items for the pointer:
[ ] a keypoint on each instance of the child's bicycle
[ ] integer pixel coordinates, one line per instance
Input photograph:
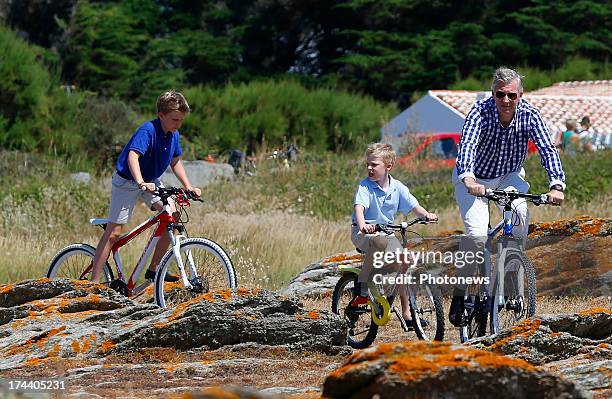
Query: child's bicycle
(201, 264)
(512, 286)
(363, 320)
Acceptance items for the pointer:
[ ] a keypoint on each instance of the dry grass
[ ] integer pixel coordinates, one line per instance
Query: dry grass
(268, 248)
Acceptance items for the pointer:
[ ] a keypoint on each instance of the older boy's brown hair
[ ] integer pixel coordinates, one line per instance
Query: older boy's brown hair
(382, 151)
(172, 100)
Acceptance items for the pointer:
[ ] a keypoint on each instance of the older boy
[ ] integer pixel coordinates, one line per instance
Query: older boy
(377, 199)
(153, 147)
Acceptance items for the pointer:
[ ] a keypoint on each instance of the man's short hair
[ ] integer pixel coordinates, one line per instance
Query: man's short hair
(382, 151)
(585, 121)
(506, 75)
(172, 100)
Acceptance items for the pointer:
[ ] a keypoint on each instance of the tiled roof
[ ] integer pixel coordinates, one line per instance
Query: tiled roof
(578, 88)
(556, 103)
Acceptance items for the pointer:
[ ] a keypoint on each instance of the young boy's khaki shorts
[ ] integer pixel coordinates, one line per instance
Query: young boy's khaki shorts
(124, 195)
(364, 241)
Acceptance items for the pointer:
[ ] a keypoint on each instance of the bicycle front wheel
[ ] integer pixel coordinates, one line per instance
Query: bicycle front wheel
(75, 261)
(361, 328)
(476, 316)
(476, 309)
(207, 266)
(517, 299)
(427, 312)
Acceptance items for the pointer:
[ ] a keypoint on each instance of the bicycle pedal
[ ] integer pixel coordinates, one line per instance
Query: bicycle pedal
(120, 287)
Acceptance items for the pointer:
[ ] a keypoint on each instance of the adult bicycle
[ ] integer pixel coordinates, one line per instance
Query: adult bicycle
(201, 264)
(363, 320)
(510, 295)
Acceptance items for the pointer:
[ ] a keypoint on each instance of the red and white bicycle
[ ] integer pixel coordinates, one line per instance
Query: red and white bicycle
(201, 264)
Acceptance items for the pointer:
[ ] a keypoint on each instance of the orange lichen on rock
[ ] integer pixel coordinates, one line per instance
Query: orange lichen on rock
(34, 362)
(84, 346)
(525, 329)
(579, 226)
(55, 351)
(343, 258)
(39, 340)
(594, 311)
(414, 360)
(245, 292)
(313, 314)
(75, 346)
(6, 288)
(226, 295)
(106, 346)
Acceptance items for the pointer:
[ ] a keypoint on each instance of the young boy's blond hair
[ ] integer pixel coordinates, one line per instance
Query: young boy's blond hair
(382, 151)
(172, 100)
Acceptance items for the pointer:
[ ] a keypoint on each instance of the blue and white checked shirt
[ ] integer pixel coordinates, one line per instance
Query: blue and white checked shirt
(488, 150)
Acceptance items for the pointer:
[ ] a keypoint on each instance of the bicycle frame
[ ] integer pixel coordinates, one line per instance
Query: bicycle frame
(503, 249)
(164, 221)
(377, 299)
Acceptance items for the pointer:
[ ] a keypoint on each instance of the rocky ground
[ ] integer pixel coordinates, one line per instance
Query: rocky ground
(105, 345)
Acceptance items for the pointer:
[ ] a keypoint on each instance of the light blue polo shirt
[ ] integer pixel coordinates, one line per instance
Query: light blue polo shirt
(156, 149)
(381, 207)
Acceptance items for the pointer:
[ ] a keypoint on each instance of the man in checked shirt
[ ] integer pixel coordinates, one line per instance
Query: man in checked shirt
(491, 152)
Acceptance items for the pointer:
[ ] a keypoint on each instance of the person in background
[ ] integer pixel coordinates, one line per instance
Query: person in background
(587, 135)
(570, 140)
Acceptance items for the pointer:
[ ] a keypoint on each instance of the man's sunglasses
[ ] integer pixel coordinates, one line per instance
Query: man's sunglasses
(501, 94)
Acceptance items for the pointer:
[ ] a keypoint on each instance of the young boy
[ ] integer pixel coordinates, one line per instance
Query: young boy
(377, 199)
(153, 147)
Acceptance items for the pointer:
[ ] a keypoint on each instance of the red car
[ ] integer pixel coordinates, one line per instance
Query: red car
(437, 150)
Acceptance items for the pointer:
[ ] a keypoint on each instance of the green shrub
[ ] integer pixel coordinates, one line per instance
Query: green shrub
(271, 113)
(588, 176)
(24, 85)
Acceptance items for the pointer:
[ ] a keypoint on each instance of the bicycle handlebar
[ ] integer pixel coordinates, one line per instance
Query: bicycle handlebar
(501, 195)
(166, 192)
(404, 225)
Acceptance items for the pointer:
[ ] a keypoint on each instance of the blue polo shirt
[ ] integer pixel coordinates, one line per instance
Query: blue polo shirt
(156, 149)
(381, 207)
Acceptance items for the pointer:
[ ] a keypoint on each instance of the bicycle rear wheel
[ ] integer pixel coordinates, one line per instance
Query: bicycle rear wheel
(427, 312)
(361, 328)
(519, 293)
(75, 261)
(207, 266)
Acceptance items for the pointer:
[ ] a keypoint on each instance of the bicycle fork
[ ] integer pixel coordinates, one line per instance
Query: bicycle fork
(176, 249)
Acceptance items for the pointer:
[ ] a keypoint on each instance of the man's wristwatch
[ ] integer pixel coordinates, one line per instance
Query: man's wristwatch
(557, 187)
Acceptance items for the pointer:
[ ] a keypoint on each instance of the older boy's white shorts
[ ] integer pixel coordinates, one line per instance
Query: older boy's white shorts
(124, 195)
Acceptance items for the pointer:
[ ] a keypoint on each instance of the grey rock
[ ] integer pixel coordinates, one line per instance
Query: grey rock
(440, 370)
(200, 173)
(577, 347)
(319, 279)
(63, 318)
(81, 177)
